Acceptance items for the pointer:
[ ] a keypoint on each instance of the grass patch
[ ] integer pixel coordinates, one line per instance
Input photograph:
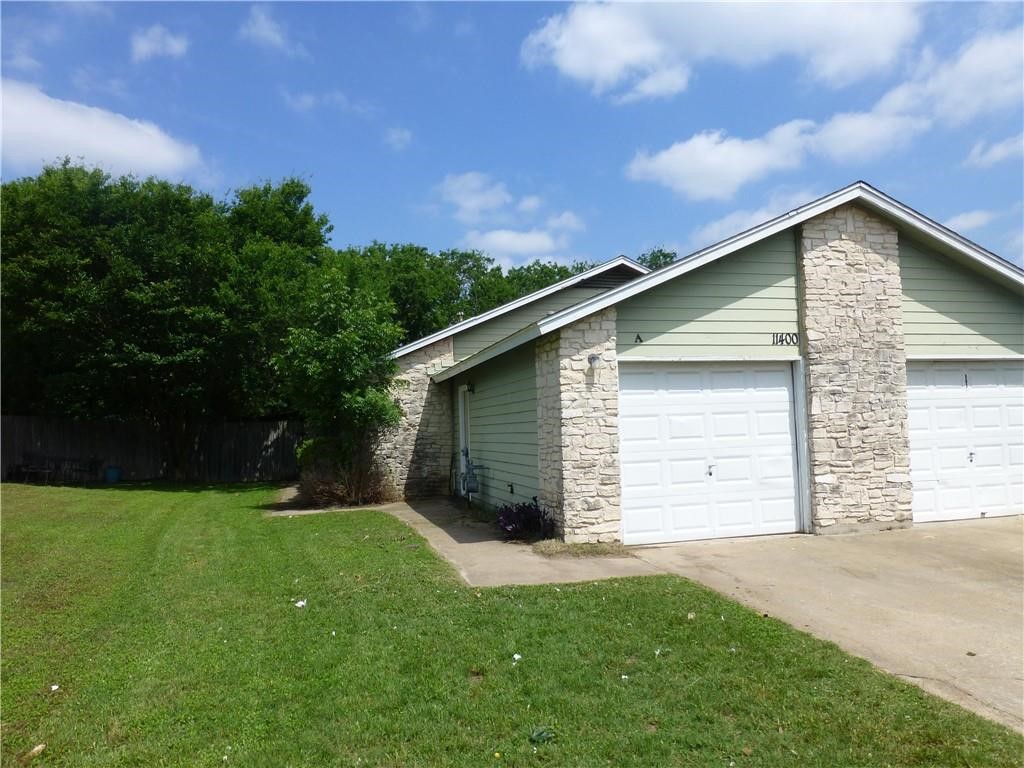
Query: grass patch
(555, 548)
(168, 619)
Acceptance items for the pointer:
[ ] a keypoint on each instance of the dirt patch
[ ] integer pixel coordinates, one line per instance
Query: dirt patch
(554, 548)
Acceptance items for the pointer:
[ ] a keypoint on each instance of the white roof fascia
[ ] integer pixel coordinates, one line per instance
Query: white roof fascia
(858, 191)
(517, 339)
(619, 261)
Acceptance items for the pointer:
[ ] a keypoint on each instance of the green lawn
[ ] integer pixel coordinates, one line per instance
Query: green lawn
(166, 617)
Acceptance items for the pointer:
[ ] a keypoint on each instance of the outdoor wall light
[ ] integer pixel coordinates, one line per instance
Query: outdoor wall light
(594, 360)
(471, 387)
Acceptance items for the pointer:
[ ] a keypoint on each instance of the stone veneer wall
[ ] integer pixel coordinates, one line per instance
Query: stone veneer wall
(852, 329)
(578, 425)
(415, 457)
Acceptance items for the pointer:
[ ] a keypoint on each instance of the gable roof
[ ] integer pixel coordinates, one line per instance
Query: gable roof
(451, 330)
(933, 233)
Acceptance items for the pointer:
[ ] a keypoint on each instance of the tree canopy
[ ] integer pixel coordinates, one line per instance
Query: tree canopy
(127, 298)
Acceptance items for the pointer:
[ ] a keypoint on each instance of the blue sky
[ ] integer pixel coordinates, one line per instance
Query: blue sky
(535, 130)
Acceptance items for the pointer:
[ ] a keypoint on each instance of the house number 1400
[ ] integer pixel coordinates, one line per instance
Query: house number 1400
(785, 339)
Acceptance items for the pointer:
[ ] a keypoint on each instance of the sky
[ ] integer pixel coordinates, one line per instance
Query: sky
(535, 130)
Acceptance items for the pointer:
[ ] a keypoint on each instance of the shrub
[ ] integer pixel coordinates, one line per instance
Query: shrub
(339, 471)
(525, 521)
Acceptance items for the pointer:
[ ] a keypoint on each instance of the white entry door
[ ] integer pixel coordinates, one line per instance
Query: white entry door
(966, 424)
(706, 451)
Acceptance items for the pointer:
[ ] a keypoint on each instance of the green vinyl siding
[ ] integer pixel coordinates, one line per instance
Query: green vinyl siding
(728, 308)
(503, 426)
(471, 341)
(949, 310)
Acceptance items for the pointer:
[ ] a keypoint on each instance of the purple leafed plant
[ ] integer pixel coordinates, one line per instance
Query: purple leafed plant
(525, 521)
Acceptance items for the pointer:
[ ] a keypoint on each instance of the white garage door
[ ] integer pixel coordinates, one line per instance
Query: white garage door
(706, 451)
(966, 439)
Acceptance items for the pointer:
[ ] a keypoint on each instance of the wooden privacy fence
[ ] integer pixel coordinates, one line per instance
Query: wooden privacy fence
(233, 451)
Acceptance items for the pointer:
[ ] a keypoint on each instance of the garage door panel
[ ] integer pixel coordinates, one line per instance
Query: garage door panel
(645, 519)
(987, 417)
(777, 513)
(728, 384)
(951, 418)
(735, 514)
(774, 423)
(730, 425)
(686, 475)
(1015, 415)
(735, 417)
(966, 436)
(1015, 456)
(776, 469)
(640, 475)
(685, 429)
(641, 431)
(690, 516)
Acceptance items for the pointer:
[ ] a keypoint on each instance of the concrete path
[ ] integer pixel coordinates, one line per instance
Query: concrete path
(940, 604)
(483, 560)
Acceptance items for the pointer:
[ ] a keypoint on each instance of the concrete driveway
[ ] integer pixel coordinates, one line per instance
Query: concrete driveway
(940, 605)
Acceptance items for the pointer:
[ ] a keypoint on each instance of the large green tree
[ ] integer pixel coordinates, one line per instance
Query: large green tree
(145, 299)
(125, 298)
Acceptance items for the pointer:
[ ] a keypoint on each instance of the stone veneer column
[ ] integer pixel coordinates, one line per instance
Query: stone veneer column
(852, 329)
(415, 457)
(578, 428)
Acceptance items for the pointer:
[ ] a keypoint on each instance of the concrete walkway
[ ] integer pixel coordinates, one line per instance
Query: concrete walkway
(940, 605)
(483, 560)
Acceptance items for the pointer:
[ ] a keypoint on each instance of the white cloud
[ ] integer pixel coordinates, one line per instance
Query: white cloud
(474, 195)
(985, 155)
(985, 75)
(505, 226)
(566, 221)
(39, 129)
(398, 138)
(260, 28)
(713, 166)
(529, 204)
(647, 50)
(157, 40)
(859, 136)
(965, 222)
(512, 244)
(779, 202)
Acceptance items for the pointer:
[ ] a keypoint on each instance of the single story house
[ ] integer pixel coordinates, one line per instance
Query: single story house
(849, 365)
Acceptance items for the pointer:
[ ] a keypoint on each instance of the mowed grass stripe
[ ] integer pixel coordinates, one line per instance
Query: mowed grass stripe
(166, 616)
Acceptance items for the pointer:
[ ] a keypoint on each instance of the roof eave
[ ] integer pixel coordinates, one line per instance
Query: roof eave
(464, 325)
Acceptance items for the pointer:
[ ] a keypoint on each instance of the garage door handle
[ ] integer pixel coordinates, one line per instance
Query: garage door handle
(970, 457)
(711, 469)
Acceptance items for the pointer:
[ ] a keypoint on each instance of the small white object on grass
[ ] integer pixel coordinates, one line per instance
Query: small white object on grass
(300, 603)
(515, 658)
(54, 687)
